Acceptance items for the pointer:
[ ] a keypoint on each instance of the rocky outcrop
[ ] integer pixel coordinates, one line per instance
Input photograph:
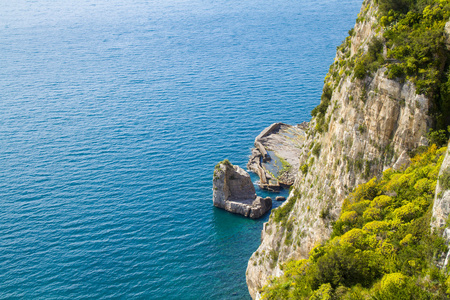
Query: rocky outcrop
(275, 158)
(367, 126)
(441, 205)
(233, 191)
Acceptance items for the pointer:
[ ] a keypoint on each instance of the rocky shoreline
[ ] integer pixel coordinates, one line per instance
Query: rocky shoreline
(275, 158)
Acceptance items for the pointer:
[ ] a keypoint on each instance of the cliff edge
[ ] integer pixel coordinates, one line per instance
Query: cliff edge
(371, 117)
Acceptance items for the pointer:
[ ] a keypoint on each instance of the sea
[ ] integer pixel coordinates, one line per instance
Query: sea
(113, 114)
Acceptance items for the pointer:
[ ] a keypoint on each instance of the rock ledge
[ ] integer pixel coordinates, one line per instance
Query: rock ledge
(275, 158)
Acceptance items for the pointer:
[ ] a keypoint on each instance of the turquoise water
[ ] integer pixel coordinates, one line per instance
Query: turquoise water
(113, 115)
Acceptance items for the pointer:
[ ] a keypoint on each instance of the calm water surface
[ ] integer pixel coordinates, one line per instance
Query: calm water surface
(113, 115)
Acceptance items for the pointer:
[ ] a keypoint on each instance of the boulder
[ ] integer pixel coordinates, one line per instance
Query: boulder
(260, 206)
(280, 198)
(233, 191)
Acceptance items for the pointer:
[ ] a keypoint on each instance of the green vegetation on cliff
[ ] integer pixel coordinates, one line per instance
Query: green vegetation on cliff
(381, 247)
(416, 50)
(412, 47)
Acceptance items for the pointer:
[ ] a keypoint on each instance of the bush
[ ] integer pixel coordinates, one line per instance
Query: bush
(281, 213)
(371, 61)
(325, 292)
(438, 137)
(381, 201)
(325, 213)
(387, 7)
(316, 149)
(362, 128)
(444, 179)
(395, 71)
(325, 99)
(361, 70)
(399, 286)
(387, 258)
(304, 169)
(320, 110)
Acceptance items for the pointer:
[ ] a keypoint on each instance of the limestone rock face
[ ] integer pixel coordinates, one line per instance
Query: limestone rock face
(447, 34)
(441, 206)
(233, 191)
(371, 124)
(402, 162)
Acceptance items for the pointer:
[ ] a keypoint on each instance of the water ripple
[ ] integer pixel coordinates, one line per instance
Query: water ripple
(114, 114)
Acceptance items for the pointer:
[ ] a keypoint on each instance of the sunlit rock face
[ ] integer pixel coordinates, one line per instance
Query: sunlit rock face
(233, 191)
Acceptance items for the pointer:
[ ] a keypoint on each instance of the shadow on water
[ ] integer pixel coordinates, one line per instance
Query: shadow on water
(235, 238)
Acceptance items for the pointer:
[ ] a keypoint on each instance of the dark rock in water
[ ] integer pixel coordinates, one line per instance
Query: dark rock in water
(233, 191)
(280, 198)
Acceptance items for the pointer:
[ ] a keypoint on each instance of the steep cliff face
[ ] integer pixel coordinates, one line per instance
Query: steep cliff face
(441, 205)
(362, 127)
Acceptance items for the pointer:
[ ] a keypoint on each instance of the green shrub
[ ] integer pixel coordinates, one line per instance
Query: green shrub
(371, 61)
(416, 51)
(395, 71)
(381, 246)
(304, 169)
(362, 128)
(325, 292)
(325, 213)
(224, 162)
(316, 149)
(360, 70)
(401, 6)
(281, 213)
(438, 137)
(351, 32)
(444, 179)
(273, 256)
(399, 286)
(320, 110)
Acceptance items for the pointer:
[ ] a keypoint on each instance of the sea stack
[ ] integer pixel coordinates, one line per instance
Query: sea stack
(233, 191)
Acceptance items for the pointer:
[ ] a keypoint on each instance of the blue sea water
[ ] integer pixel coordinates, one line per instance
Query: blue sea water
(113, 114)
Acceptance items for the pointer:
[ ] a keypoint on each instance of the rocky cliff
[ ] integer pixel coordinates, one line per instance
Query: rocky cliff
(441, 206)
(364, 124)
